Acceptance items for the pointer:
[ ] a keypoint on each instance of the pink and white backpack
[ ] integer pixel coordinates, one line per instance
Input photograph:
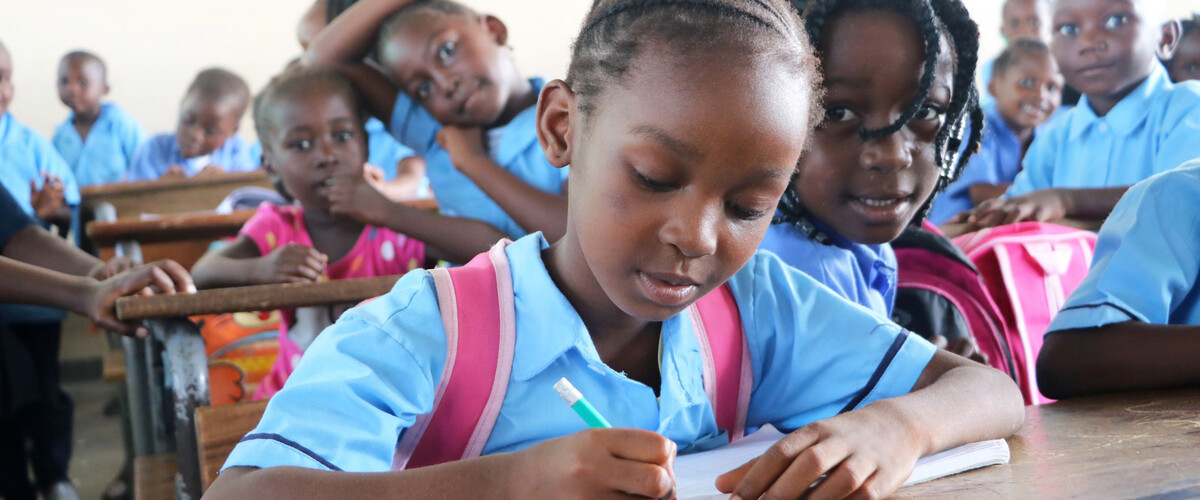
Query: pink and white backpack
(476, 303)
(1029, 268)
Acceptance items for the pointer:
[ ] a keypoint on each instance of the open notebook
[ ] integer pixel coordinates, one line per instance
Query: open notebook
(695, 474)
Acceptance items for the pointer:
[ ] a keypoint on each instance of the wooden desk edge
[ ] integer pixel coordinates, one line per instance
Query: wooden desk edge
(253, 298)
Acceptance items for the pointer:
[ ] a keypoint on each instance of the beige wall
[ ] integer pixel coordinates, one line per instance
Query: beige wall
(154, 47)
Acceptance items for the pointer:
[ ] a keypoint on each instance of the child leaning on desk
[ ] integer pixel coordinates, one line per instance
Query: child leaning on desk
(673, 186)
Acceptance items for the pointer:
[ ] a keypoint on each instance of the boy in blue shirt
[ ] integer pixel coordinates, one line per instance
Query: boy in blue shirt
(1134, 322)
(1028, 89)
(1020, 20)
(1131, 123)
(461, 104)
(1184, 64)
(98, 139)
(206, 139)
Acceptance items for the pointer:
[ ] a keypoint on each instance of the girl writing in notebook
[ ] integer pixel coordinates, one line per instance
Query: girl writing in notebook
(683, 121)
(314, 143)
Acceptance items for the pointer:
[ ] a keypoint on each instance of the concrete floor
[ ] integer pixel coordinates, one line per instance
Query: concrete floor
(98, 453)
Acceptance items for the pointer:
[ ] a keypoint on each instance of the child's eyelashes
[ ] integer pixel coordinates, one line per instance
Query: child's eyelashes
(839, 114)
(1116, 21)
(1069, 30)
(651, 184)
(929, 112)
(743, 213)
(343, 136)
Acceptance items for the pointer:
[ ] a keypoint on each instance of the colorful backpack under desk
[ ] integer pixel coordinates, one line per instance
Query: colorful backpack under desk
(1029, 268)
(476, 303)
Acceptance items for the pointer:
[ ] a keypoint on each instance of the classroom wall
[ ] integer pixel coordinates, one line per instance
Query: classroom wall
(154, 47)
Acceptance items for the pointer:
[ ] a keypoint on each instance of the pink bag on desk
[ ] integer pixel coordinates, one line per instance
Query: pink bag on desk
(476, 303)
(1029, 268)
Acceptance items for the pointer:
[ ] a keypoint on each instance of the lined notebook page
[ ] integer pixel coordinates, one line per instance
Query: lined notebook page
(696, 474)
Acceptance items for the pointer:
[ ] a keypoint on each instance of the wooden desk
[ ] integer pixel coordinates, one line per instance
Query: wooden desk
(1116, 446)
(183, 238)
(170, 196)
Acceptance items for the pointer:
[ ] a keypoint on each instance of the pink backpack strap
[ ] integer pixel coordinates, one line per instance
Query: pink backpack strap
(479, 353)
(727, 372)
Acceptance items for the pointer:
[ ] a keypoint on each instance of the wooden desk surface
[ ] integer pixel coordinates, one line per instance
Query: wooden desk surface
(209, 225)
(254, 298)
(1115, 446)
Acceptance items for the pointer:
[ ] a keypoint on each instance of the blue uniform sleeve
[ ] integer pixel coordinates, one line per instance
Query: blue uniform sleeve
(413, 126)
(132, 136)
(1146, 256)
(13, 218)
(361, 383)
(815, 354)
(1181, 126)
(1037, 168)
(148, 161)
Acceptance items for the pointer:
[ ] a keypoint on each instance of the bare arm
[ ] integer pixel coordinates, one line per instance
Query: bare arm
(1118, 357)
(532, 208)
(983, 191)
(241, 264)
(1047, 205)
(1091, 204)
(311, 23)
(36, 246)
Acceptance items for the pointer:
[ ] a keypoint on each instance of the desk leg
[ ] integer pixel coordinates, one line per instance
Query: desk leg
(185, 366)
(138, 391)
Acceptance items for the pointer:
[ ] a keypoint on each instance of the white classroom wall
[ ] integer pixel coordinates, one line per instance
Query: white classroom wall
(154, 47)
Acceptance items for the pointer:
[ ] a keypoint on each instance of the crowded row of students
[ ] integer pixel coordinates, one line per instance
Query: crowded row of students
(817, 137)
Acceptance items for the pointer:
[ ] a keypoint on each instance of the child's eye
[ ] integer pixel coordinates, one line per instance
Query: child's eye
(743, 213)
(839, 114)
(651, 184)
(446, 51)
(342, 136)
(301, 145)
(928, 112)
(1116, 21)
(1068, 30)
(1027, 83)
(423, 90)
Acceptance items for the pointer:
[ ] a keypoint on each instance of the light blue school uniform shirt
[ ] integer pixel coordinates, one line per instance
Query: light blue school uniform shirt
(157, 154)
(1153, 129)
(985, 78)
(106, 154)
(1147, 258)
(997, 162)
(862, 274)
(518, 152)
(367, 378)
(24, 156)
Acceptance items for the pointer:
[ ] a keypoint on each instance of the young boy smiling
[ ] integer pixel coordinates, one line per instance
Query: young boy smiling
(98, 139)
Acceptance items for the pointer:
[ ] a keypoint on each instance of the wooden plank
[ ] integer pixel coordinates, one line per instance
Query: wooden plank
(218, 430)
(1134, 445)
(114, 365)
(254, 298)
(154, 477)
(208, 225)
(171, 195)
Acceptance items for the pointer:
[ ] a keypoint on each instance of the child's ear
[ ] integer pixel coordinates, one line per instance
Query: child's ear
(555, 108)
(496, 28)
(105, 89)
(992, 84)
(1172, 31)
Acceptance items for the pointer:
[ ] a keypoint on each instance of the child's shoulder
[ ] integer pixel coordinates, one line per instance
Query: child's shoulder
(116, 114)
(1179, 184)
(1180, 102)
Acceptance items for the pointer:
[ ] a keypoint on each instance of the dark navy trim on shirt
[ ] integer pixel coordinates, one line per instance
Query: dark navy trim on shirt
(294, 445)
(883, 366)
(1125, 311)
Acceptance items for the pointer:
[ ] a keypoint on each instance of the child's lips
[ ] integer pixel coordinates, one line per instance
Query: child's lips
(667, 289)
(1094, 70)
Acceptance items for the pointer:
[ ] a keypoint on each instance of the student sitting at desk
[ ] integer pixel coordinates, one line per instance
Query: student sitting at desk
(98, 139)
(673, 187)
(206, 139)
(1134, 322)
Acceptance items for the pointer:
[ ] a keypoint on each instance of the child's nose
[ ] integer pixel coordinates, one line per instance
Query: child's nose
(693, 229)
(1092, 40)
(890, 152)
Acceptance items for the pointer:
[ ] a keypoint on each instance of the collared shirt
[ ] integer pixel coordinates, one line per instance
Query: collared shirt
(1153, 129)
(986, 69)
(157, 154)
(519, 153)
(1147, 258)
(997, 162)
(367, 378)
(106, 154)
(862, 274)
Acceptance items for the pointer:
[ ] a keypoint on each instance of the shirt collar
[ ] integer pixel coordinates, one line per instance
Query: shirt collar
(550, 325)
(1129, 113)
(520, 133)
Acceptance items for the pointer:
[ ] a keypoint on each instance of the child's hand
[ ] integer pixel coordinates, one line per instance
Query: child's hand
(358, 198)
(174, 172)
(372, 173)
(465, 146)
(865, 453)
(209, 171)
(114, 266)
(962, 346)
(1046, 205)
(48, 200)
(597, 463)
(292, 263)
(165, 276)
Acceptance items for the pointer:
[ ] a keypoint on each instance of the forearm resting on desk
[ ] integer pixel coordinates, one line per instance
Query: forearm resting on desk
(1118, 357)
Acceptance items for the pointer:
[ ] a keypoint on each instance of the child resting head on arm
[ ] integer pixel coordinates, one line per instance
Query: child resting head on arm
(673, 185)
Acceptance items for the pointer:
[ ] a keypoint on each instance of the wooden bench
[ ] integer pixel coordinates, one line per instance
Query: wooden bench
(218, 430)
(154, 476)
(176, 367)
